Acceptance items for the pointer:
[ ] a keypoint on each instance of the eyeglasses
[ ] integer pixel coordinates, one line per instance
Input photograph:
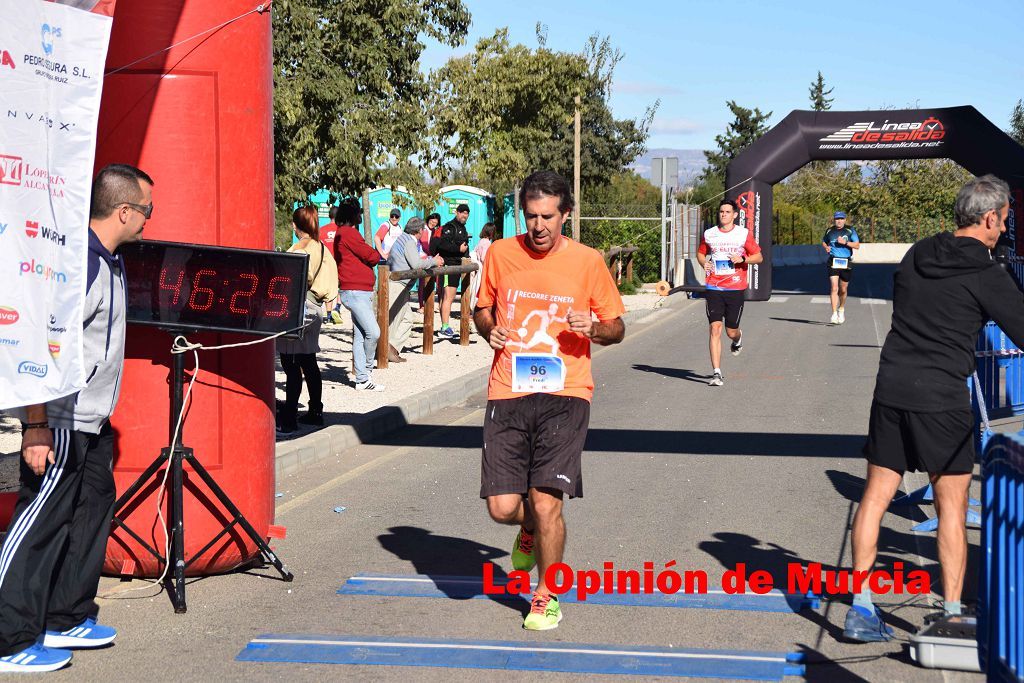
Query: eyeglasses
(145, 209)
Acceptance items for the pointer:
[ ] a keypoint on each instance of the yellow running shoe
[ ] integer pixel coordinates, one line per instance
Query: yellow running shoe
(544, 613)
(522, 551)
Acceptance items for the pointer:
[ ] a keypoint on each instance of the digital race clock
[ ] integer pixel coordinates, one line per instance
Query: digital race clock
(180, 286)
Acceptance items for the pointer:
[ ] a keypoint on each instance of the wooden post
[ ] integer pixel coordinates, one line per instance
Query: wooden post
(576, 172)
(367, 228)
(465, 310)
(515, 208)
(383, 281)
(871, 222)
(428, 315)
(629, 266)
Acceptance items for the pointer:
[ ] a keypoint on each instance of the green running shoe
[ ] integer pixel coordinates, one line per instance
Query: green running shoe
(544, 613)
(522, 551)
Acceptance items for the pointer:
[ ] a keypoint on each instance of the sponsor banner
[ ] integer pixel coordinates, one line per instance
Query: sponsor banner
(51, 74)
(906, 133)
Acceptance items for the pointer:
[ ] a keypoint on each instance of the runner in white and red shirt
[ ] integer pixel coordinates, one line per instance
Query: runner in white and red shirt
(725, 252)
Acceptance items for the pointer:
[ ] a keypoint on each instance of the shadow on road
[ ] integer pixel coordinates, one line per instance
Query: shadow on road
(872, 280)
(666, 441)
(442, 556)
(801, 320)
(731, 549)
(675, 373)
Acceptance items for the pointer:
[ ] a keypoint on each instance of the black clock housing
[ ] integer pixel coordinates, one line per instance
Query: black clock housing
(180, 286)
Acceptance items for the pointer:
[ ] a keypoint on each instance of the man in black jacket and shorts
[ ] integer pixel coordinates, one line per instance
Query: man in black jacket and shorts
(946, 288)
(451, 244)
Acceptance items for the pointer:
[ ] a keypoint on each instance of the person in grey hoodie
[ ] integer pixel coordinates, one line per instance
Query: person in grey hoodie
(946, 288)
(404, 255)
(53, 552)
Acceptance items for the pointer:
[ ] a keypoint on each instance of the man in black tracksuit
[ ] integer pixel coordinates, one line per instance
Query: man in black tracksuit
(53, 552)
(947, 287)
(451, 243)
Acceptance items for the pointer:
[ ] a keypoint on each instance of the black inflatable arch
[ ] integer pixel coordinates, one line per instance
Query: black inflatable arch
(960, 134)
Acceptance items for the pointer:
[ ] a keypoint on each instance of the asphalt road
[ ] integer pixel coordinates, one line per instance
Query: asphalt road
(765, 471)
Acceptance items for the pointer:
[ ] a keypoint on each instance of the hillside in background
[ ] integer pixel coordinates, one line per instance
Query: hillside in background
(691, 163)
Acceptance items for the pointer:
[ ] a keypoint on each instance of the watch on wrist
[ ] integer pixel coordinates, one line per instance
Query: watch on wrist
(25, 426)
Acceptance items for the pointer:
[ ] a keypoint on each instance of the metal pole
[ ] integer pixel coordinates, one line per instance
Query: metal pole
(664, 211)
(576, 172)
(674, 230)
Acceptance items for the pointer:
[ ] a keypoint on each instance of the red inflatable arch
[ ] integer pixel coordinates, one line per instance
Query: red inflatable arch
(197, 117)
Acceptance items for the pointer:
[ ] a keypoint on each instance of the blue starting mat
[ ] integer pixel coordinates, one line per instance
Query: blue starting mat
(522, 656)
(471, 587)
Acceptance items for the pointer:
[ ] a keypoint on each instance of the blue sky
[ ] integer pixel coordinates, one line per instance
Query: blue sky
(694, 55)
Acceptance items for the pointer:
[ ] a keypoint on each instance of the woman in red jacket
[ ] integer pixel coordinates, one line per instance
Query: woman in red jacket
(356, 260)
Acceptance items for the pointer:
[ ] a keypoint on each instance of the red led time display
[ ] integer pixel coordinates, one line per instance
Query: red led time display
(199, 287)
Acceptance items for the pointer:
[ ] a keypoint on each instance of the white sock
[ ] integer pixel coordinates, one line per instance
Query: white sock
(718, 371)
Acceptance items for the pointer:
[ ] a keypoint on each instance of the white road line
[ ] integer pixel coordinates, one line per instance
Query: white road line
(874, 302)
(820, 300)
(511, 648)
(778, 300)
(774, 593)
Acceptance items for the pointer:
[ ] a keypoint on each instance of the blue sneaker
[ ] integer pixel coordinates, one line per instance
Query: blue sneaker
(866, 627)
(35, 658)
(448, 333)
(86, 634)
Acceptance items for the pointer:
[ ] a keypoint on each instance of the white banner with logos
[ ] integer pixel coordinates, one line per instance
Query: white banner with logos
(51, 76)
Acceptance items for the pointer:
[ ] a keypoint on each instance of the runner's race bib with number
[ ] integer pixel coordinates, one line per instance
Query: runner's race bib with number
(537, 373)
(724, 266)
(840, 263)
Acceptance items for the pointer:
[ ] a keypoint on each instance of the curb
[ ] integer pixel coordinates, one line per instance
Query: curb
(296, 454)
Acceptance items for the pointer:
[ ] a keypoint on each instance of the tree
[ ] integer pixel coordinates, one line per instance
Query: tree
(349, 97)
(820, 100)
(1017, 122)
(506, 110)
(747, 126)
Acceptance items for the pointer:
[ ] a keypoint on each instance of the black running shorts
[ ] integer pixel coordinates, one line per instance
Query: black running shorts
(937, 443)
(843, 274)
(535, 441)
(727, 304)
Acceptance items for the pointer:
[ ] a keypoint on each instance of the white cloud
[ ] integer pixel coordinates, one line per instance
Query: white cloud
(675, 126)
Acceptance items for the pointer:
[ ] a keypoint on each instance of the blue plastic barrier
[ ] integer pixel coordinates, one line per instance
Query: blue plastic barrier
(1001, 585)
(1000, 371)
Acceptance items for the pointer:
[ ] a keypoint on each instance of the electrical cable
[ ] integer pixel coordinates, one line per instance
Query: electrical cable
(181, 344)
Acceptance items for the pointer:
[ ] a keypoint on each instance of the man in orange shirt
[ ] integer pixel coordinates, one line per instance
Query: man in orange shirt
(537, 298)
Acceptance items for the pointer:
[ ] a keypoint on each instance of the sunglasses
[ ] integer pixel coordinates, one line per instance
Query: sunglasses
(145, 209)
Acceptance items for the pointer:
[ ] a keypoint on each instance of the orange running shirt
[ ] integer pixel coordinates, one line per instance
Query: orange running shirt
(531, 295)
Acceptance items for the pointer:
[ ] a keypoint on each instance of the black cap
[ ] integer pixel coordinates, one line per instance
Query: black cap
(395, 213)
(462, 207)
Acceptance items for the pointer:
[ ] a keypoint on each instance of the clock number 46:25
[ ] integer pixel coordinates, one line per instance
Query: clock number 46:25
(202, 298)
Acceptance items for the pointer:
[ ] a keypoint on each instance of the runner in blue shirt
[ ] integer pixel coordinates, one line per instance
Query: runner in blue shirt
(839, 242)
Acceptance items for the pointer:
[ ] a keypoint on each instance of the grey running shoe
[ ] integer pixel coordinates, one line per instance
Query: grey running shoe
(867, 628)
(716, 380)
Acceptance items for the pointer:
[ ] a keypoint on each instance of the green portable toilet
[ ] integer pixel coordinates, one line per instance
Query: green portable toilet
(508, 227)
(321, 199)
(383, 199)
(481, 208)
